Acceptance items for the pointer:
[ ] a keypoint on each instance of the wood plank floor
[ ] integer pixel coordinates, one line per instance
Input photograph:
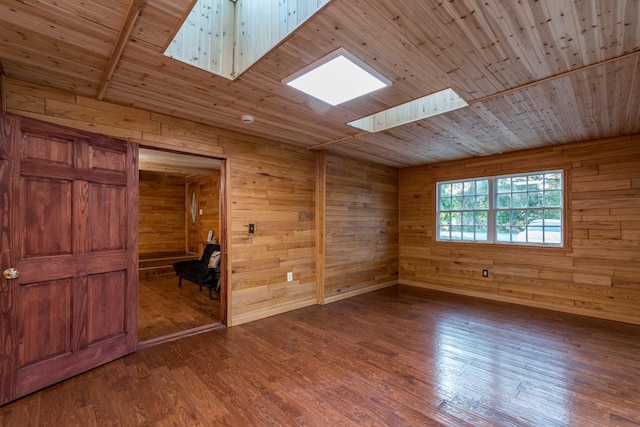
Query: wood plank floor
(164, 308)
(395, 357)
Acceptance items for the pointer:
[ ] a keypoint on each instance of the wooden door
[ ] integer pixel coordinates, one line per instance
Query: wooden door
(69, 227)
(193, 217)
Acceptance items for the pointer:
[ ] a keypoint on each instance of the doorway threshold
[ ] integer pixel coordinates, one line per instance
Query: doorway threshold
(181, 334)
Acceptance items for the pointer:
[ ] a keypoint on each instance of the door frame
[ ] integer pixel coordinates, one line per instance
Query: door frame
(225, 270)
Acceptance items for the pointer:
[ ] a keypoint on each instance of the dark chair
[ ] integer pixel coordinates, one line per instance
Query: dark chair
(199, 272)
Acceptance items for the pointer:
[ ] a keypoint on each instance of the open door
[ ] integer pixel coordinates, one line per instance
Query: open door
(68, 296)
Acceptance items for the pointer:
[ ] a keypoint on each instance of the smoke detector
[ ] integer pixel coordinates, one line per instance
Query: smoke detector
(246, 119)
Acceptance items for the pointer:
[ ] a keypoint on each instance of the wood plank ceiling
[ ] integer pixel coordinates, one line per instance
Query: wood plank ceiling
(535, 73)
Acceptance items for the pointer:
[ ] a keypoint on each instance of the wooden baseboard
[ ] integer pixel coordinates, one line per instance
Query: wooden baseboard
(271, 311)
(360, 291)
(528, 303)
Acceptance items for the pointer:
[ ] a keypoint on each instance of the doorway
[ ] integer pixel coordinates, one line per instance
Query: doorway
(181, 210)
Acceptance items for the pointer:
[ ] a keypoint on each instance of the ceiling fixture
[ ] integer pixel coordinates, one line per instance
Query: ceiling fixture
(338, 77)
(428, 106)
(246, 119)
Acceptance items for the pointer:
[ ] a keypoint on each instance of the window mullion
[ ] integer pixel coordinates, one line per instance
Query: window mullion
(491, 215)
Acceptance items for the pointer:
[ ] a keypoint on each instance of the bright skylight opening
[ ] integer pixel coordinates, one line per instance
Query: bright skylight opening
(428, 106)
(338, 77)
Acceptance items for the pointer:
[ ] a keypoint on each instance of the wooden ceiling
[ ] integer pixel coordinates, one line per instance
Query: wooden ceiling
(535, 73)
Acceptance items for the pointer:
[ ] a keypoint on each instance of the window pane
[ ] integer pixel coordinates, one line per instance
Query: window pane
(553, 181)
(469, 188)
(482, 186)
(445, 190)
(504, 201)
(552, 199)
(504, 185)
(445, 203)
(519, 200)
(536, 199)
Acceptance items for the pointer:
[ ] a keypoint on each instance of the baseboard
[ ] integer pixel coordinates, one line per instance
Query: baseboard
(271, 311)
(527, 303)
(360, 291)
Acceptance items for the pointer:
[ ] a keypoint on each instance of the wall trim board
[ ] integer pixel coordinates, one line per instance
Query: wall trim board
(272, 311)
(526, 303)
(356, 292)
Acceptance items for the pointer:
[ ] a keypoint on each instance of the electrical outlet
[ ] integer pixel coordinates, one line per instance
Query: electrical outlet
(252, 228)
(485, 273)
(289, 276)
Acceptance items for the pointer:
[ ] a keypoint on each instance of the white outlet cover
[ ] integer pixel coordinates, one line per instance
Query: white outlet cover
(289, 276)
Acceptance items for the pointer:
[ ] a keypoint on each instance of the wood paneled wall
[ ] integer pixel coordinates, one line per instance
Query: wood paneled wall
(209, 203)
(271, 185)
(361, 227)
(162, 212)
(596, 274)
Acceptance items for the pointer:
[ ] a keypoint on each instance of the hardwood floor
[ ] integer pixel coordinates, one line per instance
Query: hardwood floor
(164, 308)
(396, 357)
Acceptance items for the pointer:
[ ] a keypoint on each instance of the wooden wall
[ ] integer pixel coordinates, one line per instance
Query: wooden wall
(161, 213)
(271, 184)
(209, 203)
(361, 227)
(596, 274)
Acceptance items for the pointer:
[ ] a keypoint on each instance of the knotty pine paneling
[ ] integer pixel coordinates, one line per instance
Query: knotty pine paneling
(596, 274)
(361, 227)
(161, 213)
(271, 185)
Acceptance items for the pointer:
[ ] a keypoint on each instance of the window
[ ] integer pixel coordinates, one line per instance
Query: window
(523, 209)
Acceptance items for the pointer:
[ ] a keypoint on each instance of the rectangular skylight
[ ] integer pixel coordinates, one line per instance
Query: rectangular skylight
(418, 109)
(337, 78)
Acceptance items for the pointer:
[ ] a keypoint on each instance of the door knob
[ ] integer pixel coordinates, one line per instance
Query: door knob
(10, 273)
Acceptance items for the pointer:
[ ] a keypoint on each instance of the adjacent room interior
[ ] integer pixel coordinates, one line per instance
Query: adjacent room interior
(179, 202)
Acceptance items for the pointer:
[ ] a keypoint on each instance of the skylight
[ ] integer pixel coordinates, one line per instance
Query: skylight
(418, 109)
(338, 77)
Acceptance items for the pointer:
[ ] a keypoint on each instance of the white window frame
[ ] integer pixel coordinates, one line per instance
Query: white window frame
(492, 211)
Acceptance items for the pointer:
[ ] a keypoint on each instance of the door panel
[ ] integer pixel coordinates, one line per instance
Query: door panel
(107, 225)
(106, 309)
(45, 311)
(71, 198)
(47, 214)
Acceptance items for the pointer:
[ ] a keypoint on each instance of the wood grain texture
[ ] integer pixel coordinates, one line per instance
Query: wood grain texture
(597, 273)
(361, 227)
(166, 309)
(75, 299)
(271, 184)
(500, 52)
(209, 203)
(162, 213)
(396, 357)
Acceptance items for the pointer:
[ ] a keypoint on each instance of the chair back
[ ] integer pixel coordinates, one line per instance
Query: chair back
(208, 250)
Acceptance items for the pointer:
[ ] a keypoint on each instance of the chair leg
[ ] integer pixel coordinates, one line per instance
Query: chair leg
(210, 296)
(180, 282)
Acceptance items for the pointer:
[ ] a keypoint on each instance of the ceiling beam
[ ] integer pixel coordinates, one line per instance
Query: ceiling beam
(132, 15)
(503, 93)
